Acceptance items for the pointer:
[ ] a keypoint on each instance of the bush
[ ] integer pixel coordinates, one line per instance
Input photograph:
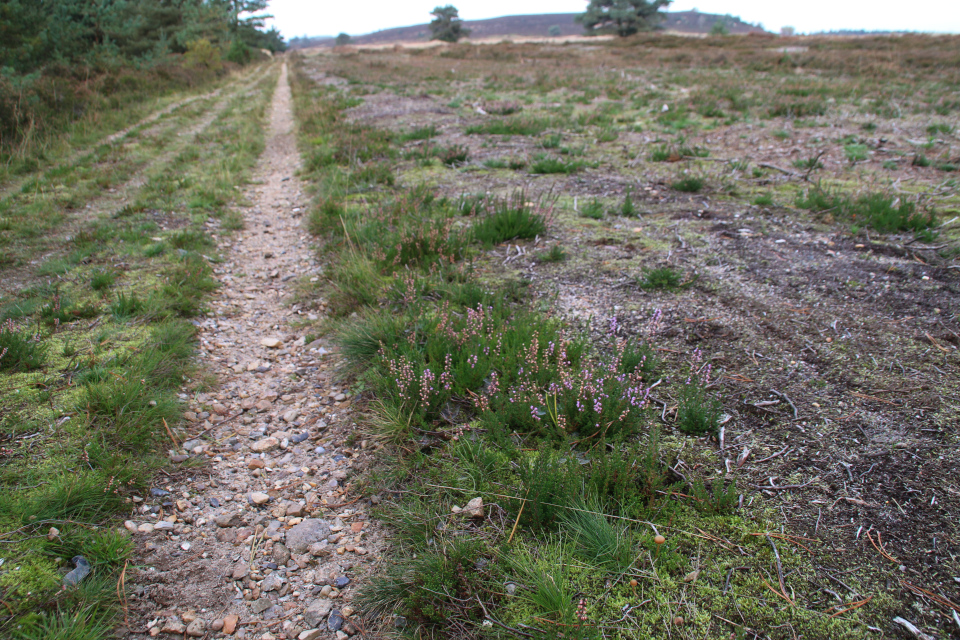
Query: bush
(509, 219)
(886, 214)
(666, 278)
(510, 127)
(546, 165)
(688, 184)
(592, 210)
(19, 352)
(453, 156)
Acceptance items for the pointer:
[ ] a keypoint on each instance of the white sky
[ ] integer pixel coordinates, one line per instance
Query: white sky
(330, 17)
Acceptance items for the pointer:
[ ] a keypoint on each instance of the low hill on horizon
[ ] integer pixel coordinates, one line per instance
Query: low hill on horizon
(536, 26)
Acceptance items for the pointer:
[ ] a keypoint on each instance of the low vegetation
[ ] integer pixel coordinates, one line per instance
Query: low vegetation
(93, 357)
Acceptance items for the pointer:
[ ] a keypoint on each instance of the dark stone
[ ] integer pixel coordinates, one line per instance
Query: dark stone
(214, 503)
(335, 621)
(341, 582)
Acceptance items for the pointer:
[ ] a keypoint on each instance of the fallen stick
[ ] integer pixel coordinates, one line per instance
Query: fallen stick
(906, 624)
(786, 399)
(784, 487)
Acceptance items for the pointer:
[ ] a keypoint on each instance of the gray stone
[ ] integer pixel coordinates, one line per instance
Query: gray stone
(228, 520)
(280, 554)
(190, 444)
(341, 582)
(308, 532)
(163, 525)
(310, 634)
(261, 605)
(259, 498)
(267, 444)
(272, 582)
(317, 612)
(196, 628)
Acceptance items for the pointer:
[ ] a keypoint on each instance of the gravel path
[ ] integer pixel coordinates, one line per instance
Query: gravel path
(254, 532)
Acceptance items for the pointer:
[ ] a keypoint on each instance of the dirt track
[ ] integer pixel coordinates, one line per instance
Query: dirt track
(275, 426)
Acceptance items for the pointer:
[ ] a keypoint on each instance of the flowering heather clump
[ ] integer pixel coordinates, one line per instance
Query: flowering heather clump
(458, 354)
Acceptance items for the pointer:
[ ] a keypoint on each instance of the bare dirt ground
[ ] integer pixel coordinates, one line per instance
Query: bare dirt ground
(265, 539)
(836, 352)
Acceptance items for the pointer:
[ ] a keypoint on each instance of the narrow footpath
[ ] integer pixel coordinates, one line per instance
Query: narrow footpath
(253, 531)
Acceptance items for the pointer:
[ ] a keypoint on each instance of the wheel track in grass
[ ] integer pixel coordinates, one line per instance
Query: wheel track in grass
(243, 442)
(119, 136)
(116, 198)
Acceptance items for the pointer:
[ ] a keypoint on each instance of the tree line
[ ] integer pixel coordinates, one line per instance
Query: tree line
(35, 33)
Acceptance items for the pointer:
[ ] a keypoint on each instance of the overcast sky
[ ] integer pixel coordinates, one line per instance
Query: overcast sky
(330, 17)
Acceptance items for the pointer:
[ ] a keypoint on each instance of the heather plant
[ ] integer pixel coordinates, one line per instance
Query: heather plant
(698, 410)
(19, 352)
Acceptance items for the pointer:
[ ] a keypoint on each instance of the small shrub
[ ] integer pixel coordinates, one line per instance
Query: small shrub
(765, 200)
(940, 128)
(856, 152)
(420, 133)
(555, 254)
(453, 156)
(125, 307)
(808, 164)
(885, 214)
(552, 141)
(920, 160)
(495, 163)
(665, 278)
(102, 279)
(698, 411)
(719, 499)
(548, 165)
(628, 209)
(510, 127)
(509, 219)
(688, 184)
(592, 210)
(19, 352)
(608, 135)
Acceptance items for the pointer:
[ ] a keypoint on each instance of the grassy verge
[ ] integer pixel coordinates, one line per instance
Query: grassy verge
(88, 387)
(538, 490)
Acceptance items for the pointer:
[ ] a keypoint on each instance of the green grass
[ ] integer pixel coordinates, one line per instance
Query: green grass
(509, 219)
(420, 133)
(103, 279)
(593, 210)
(518, 126)
(883, 213)
(116, 380)
(543, 164)
(688, 184)
(554, 254)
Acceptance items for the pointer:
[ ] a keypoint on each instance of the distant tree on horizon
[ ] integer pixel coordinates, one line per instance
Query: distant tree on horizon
(447, 25)
(622, 17)
(342, 39)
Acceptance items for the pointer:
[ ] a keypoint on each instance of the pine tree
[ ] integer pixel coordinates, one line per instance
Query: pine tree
(447, 25)
(622, 17)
